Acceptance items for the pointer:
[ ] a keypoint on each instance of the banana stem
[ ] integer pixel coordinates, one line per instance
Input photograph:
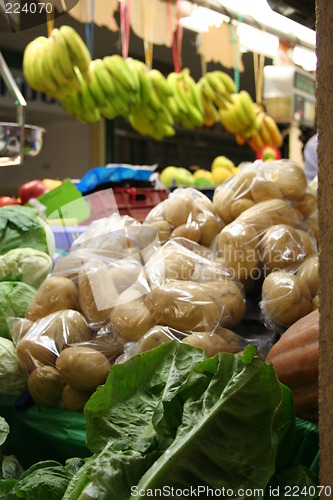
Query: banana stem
(50, 19)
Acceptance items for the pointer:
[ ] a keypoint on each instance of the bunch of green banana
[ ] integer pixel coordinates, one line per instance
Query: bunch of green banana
(216, 89)
(239, 118)
(151, 115)
(187, 106)
(51, 65)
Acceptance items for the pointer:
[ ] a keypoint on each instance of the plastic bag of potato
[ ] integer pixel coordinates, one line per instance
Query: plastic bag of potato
(267, 236)
(290, 294)
(219, 340)
(187, 213)
(261, 181)
(62, 358)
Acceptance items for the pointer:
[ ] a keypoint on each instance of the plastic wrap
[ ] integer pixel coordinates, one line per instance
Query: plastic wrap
(264, 238)
(63, 359)
(290, 294)
(221, 340)
(260, 181)
(186, 213)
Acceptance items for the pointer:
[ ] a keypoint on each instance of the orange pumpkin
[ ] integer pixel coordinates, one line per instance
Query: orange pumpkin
(295, 359)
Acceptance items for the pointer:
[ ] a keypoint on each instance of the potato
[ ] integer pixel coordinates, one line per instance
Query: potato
(156, 213)
(178, 265)
(242, 183)
(291, 180)
(281, 247)
(73, 399)
(222, 201)
(307, 205)
(297, 214)
(212, 343)
(184, 306)
(230, 300)
(20, 328)
(312, 223)
(285, 298)
(315, 303)
(262, 190)
(45, 386)
(155, 336)
(97, 293)
(179, 210)
(83, 368)
(124, 273)
(308, 272)
(131, 318)
(163, 229)
(237, 244)
(277, 212)
(35, 353)
(64, 327)
(203, 204)
(230, 338)
(69, 266)
(209, 226)
(190, 231)
(309, 243)
(239, 206)
(54, 294)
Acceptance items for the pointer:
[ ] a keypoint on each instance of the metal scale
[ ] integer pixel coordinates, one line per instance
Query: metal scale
(17, 139)
(290, 95)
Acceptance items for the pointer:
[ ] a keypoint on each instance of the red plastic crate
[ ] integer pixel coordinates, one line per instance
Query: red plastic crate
(135, 202)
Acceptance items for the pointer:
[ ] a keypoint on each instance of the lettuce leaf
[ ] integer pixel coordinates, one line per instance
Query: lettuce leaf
(21, 226)
(44, 480)
(229, 424)
(173, 417)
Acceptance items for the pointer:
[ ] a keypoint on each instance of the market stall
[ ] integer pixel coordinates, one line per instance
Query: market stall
(147, 304)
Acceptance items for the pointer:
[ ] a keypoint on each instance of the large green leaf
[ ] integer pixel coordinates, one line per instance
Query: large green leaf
(229, 432)
(122, 409)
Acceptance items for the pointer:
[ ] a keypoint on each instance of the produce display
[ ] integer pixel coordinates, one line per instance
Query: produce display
(157, 431)
(119, 292)
(187, 345)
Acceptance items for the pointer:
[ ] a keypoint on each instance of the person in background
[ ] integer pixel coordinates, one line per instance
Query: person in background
(310, 158)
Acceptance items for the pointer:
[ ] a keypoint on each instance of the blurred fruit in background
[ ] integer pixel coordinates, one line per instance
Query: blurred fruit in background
(8, 200)
(269, 153)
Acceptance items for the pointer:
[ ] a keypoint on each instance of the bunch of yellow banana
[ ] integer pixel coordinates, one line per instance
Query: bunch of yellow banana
(51, 65)
(186, 101)
(240, 118)
(152, 113)
(268, 133)
(216, 89)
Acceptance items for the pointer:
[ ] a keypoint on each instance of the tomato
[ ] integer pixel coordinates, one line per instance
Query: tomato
(31, 189)
(8, 200)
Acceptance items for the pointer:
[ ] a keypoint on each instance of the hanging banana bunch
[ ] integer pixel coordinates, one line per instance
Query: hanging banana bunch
(51, 65)
(267, 134)
(187, 106)
(216, 89)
